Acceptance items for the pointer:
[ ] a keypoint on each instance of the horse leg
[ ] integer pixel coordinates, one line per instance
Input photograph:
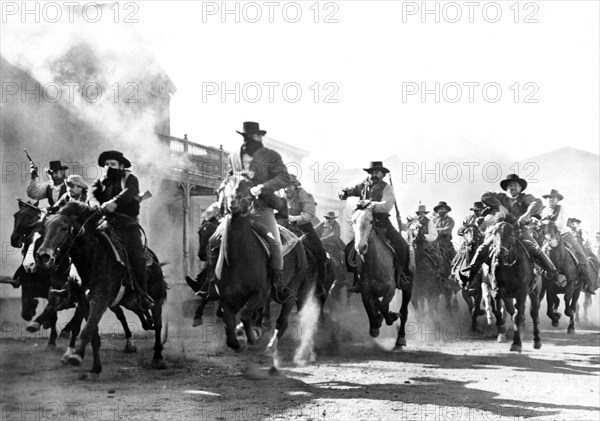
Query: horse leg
(75, 322)
(199, 312)
(534, 299)
(573, 306)
(375, 317)
(550, 310)
(518, 324)
(500, 324)
(256, 302)
(401, 339)
(587, 302)
(129, 346)
(97, 365)
(53, 319)
(98, 305)
(229, 320)
(384, 307)
(487, 300)
(157, 359)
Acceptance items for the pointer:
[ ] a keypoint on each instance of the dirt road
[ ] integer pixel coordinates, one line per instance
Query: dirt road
(445, 373)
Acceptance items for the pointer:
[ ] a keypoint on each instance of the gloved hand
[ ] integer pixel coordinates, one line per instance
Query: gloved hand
(109, 206)
(343, 194)
(34, 171)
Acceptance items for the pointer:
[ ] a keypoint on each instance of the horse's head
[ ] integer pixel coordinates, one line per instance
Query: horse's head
(504, 242)
(363, 226)
(472, 235)
(61, 231)
(416, 231)
(236, 193)
(25, 219)
(207, 229)
(550, 233)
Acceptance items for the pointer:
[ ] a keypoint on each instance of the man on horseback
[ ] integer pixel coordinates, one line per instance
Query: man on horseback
(476, 218)
(301, 209)
(444, 225)
(77, 190)
(53, 189)
(329, 231)
(556, 213)
(117, 192)
(521, 206)
(382, 195)
(267, 170)
(430, 233)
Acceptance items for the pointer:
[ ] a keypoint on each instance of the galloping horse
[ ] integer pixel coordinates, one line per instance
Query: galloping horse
(566, 264)
(244, 282)
(72, 233)
(511, 270)
(427, 278)
(472, 293)
(376, 274)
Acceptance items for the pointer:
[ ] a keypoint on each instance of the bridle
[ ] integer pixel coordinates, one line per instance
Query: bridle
(74, 238)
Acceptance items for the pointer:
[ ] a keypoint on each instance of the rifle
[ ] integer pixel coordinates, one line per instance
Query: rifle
(28, 157)
(398, 219)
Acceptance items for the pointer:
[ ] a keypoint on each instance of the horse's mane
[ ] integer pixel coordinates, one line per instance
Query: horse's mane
(73, 208)
(508, 218)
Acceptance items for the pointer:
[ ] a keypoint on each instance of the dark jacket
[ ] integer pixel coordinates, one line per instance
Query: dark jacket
(517, 207)
(125, 192)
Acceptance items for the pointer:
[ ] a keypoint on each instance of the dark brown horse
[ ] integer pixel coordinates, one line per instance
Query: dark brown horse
(244, 284)
(376, 275)
(428, 271)
(72, 232)
(511, 270)
(472, 292)
(566, 264)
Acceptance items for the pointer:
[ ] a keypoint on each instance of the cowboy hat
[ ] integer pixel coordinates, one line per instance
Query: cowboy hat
(477, 206)
(116, 155)
(553, 193)
(330, 215)
(294, 181)
(513, 177)
(376, 166)
(573, 220)
(56, 166)
(442, 205)
(76, 180)
(422, 208)
(251, 127)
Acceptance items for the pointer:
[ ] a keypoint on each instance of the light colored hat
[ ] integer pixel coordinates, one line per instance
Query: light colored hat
(422, 208)
(330, 215)
(77, 180)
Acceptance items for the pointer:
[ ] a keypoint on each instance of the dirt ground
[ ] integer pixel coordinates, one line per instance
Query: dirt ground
(445, 373)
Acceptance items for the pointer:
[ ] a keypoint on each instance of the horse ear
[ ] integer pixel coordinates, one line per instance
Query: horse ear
(20, 204)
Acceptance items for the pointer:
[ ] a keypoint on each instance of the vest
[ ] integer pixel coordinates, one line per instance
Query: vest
(425, 222)
(554, 215)
(51, 201)
(373, 192)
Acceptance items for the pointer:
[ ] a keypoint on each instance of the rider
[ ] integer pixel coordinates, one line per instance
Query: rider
(476, 218)
(329, 231)
(77, 191)
(430, 233)
(53, 189)
(382, 195)
(444, 225)
(118, 192)
(267, 170)
(556, 213)
(301, 208)
(521, 206)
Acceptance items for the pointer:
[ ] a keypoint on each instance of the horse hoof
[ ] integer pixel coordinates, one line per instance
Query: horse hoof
(273, 371)
(159, 364)
(130, 349)
(571, 330)
(537, 345)
(392, 317)
(554, 323)
(502, 337)
(516, 348)
(75, 360)
(197, 322)
(33, 327)
(374, 333)
(257, 333)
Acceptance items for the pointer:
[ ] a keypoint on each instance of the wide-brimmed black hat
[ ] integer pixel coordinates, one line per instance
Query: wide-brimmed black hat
(116, 155)
(56, 166)
(294, 181)
(376, 166)
(513, 177)
(554, 193)
(442, 205)
(477, 206)
(573, 220)
(251, 127)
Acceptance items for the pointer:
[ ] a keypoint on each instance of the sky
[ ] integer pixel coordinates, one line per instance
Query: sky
(377, 59)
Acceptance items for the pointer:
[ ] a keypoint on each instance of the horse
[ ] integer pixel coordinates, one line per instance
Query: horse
(377, 275)
(566, 264)
(511, 269)
(472, 294)
(427, 278)
(73, 232)
(244, 283)
(35, 283)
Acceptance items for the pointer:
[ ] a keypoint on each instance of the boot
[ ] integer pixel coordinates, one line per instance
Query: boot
(479, 259)
(280, 292)
(206, 280)
(355, 287)
(549, 267)
(587, 288)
